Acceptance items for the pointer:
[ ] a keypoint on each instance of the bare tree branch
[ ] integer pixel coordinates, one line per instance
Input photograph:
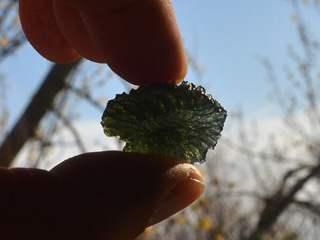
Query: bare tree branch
(276, 204)
(73, 130)
(85, 96)
(11, 34)
(39, 105)
(314, 209)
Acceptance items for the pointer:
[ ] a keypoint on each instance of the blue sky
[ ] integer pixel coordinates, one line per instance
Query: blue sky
(232, 36)
(226, 37)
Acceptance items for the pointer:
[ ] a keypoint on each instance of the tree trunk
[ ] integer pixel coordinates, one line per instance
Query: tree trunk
(41, 102)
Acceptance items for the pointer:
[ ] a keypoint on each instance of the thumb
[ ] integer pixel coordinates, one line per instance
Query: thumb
(95, 196)
(119, 194)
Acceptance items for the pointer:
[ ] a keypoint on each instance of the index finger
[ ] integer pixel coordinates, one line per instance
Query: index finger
(141, 41)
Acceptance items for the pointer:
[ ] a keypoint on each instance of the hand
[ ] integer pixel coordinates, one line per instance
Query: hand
(138, 39)
(95, 196)
(106, 195)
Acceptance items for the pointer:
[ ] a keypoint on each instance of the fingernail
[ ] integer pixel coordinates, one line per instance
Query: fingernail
(187, 187)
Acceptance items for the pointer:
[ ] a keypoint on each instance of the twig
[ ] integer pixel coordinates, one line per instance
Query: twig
(39, 105)
(277, 204)
(73, 130)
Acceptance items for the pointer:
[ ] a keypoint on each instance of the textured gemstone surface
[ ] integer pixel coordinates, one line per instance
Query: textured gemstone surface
(181, 121)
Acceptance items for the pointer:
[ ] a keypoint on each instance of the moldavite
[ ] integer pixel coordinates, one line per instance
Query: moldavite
(181, 121)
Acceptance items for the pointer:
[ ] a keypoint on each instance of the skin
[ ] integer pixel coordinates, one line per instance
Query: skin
(139, 40)
(104, 195)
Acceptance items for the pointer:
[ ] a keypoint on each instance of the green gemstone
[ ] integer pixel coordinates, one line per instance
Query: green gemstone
(181, 121)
